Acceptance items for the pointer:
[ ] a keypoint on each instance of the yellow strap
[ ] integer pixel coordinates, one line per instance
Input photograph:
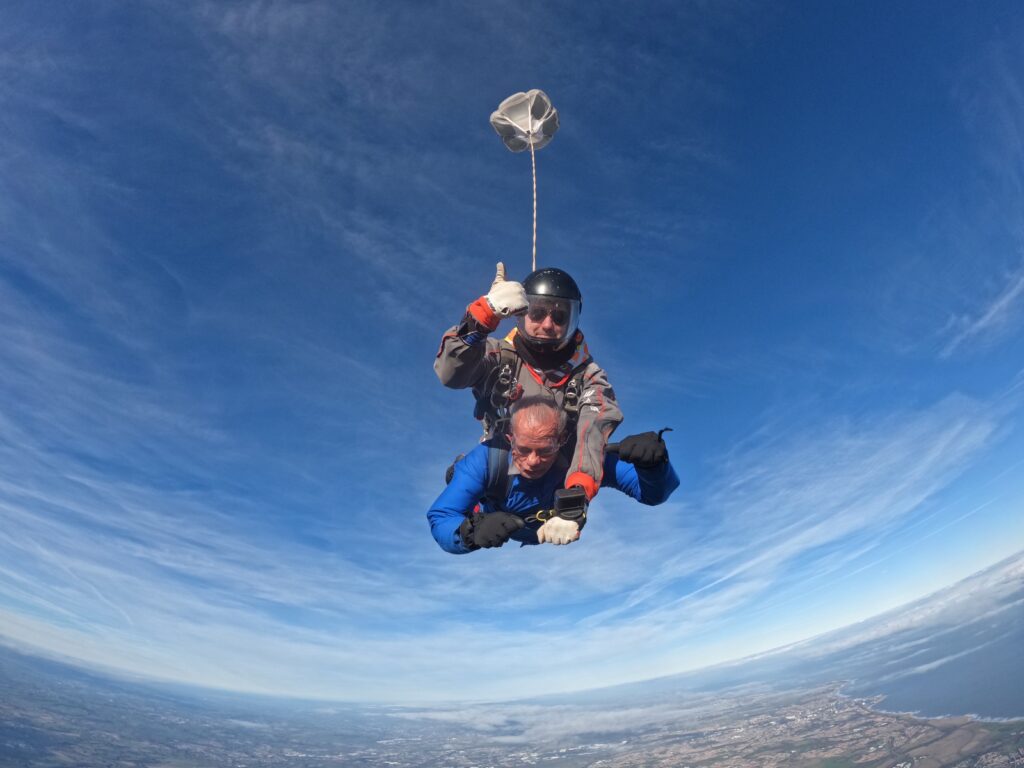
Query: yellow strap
(540, 516)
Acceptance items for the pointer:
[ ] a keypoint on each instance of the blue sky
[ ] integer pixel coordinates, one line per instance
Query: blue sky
(231, 235)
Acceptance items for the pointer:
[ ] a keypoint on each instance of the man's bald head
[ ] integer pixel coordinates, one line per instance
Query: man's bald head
(538, 414)
(536, 433)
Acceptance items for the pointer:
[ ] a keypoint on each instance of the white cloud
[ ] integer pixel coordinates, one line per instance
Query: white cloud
(991, 96)
(993, 320)
(118, 563)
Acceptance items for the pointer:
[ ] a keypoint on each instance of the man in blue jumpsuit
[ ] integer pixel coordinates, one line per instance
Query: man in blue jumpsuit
(461, 520)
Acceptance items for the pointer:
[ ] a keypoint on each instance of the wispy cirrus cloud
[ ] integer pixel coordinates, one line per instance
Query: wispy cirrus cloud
(787, 494)
(994, 320)
(118, 562)
(952, 273)
(991, 98)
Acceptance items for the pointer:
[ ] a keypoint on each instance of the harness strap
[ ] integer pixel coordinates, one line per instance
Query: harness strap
(498, 481)
(496, 492)
(500, 389)
(543, 515)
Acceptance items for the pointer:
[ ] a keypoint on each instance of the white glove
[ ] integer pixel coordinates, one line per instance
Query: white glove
(506, 297)
(558, 530)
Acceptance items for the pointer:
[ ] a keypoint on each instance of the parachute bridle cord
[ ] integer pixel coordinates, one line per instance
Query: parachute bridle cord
(533, 165)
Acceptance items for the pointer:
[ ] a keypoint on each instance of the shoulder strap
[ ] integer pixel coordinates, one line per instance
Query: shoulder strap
(499, 388)
(507, 356)
(496, 492)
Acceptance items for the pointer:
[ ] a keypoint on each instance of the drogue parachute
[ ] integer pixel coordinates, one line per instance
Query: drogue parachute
(525, 119)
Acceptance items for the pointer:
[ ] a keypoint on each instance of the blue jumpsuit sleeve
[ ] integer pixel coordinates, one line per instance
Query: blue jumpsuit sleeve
(648, 486)
(459, 497)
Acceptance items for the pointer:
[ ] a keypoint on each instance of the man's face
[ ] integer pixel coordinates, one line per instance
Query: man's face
(546, 318)
(534, 447)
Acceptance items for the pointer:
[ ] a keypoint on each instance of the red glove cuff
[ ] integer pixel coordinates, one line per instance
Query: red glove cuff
(584, 481)
(483, 314)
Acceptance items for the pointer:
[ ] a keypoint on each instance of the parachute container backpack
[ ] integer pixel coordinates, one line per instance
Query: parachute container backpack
(527, 121)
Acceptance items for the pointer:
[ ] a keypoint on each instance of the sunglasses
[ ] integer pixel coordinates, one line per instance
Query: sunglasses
(558, 315)
(542, 453)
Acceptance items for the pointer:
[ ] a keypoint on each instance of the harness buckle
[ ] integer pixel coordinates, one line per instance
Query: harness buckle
(504, 391)
(571, 401)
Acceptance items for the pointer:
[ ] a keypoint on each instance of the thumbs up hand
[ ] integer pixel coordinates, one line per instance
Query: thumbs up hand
(506, 297)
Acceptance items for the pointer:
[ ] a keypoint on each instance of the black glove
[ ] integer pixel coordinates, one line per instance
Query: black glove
(646, 450)
(491, 529)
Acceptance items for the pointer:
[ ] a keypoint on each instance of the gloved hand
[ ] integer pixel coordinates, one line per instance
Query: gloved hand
(558, 530)
(490, 529)
(570, 515)
(646, 450)
(506, 297)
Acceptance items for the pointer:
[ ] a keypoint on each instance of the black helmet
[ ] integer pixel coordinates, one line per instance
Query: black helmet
(552, 281)
(554, 311)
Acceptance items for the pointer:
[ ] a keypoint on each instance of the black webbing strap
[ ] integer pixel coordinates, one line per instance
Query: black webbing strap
(496, 492)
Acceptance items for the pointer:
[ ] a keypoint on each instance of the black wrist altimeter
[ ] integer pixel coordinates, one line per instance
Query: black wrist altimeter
(571, 504)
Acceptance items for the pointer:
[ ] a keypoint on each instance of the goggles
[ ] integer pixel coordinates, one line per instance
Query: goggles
(553, 333)
(559, 316)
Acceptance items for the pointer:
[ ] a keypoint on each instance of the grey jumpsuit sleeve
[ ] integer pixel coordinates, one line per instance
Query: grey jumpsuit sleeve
(599, 415)
(465, 358)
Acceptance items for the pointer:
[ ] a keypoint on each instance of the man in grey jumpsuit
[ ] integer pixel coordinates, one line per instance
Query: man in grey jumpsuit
(544, 354)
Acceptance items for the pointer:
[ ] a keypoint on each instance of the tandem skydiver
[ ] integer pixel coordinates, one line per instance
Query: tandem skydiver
(544, 355)
(483, 508)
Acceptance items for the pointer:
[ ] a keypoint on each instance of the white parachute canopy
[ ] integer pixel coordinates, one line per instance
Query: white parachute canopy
(525, 120)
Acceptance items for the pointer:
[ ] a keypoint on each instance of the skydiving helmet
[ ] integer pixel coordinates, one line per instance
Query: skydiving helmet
(554, 308)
